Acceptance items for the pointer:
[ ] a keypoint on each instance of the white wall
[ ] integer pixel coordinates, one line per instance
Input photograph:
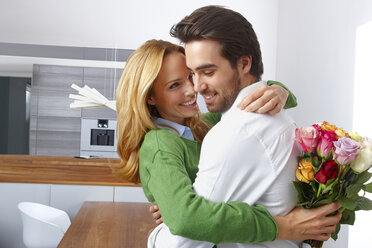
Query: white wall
(316, 58)
(121, 24)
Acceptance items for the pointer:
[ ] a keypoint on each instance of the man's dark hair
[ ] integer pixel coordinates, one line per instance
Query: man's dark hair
(229, 28)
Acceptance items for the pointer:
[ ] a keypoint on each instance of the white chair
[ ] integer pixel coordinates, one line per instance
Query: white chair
(43, 226)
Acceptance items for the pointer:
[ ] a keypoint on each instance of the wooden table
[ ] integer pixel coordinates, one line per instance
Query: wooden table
(109, 224)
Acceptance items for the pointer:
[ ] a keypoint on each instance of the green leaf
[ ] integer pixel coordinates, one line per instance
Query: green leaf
(334, 235)
(348, 203)
(349, 177)
(307, 154)
(305, 191)
(314, 186)
(299, 189)
(363, 203)
(362, 177)
(316, 161)
(321, 203)
(353, 189)
(333, 197)
(348, 217)
(368, 187)
(323, 200)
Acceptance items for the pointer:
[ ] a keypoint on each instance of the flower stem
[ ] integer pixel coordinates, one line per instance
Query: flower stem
(314, 243)
(319, 188)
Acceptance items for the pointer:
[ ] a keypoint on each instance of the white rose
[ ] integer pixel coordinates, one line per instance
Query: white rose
(364, 160)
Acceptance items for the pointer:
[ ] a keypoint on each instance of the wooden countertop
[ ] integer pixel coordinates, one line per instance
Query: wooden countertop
(59, 170)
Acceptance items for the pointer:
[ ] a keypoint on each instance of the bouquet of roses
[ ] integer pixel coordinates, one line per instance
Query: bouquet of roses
(334, 167)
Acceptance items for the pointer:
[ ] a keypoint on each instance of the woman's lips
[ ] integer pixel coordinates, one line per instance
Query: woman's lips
(190, 103)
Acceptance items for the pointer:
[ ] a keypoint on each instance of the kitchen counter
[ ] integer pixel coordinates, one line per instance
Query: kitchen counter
(59, 170)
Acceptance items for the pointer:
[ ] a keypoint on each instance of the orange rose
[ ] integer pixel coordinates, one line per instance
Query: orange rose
(305, 171)
(328, 127)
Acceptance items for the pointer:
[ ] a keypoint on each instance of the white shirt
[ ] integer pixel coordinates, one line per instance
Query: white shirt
(246, 157)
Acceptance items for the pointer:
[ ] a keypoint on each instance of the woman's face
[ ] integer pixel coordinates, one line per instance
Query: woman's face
(173, 94)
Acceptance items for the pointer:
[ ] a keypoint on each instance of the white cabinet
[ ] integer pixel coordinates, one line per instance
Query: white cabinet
(129, 194)
(70, 198)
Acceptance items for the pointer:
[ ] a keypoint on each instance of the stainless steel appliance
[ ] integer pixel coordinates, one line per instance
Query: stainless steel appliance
(98, 138)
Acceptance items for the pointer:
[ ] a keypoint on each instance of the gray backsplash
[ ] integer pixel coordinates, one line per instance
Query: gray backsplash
(54, 127)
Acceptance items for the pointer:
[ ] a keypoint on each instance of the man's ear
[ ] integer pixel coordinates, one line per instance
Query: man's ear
(245, 63)
(151, 100)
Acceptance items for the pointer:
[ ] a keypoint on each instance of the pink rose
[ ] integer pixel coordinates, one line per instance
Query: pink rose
(308, 138)
(346, 150)
(325, 144)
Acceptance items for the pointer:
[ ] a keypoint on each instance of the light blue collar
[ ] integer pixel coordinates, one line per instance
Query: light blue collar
(183, 131)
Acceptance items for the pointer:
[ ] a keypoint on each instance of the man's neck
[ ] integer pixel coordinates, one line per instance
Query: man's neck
(248, 80)
(242, 93)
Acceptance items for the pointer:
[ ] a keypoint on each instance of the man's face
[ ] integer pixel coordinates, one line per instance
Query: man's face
(213, 76)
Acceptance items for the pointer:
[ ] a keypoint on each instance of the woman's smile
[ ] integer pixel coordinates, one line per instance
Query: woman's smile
(191, 103)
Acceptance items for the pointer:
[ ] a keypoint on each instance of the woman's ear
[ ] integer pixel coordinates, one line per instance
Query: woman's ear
(151, 100)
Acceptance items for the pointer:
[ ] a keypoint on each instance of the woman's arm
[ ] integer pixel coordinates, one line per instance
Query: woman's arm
(291, 101)
(266, 99)
(191, 216)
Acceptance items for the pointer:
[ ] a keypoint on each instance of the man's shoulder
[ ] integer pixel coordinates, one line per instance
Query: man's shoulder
(260, 125)
(270, 128)
(253, 119)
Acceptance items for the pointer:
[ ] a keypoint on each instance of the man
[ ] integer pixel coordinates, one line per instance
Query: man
(246, 157)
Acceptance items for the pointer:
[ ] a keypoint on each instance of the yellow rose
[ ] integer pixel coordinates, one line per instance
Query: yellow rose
(328, 127)
(305, 171)
(340, 132)
(355, 136)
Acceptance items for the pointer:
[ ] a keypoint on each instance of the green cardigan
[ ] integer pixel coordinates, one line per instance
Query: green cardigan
(168, 166)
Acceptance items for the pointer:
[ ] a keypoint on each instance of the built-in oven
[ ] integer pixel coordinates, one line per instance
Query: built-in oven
(98, 138)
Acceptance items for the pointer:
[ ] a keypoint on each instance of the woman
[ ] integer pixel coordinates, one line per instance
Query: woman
(160, 131)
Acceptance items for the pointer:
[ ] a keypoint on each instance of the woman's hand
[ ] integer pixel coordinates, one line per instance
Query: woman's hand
(154, 210)
(265, 100)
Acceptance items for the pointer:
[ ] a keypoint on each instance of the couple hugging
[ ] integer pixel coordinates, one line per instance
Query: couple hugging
(223, 178)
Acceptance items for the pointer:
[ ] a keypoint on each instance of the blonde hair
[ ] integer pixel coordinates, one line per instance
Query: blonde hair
(134, 114)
